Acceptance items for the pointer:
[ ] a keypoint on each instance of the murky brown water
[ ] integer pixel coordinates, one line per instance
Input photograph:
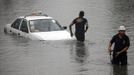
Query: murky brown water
(21, 56)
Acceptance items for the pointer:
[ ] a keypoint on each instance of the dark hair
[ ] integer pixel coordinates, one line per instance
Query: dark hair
(81, 14)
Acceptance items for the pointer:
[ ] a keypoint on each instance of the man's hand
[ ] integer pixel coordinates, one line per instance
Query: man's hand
(85, 31)
(118, 53)
(109, 50)
(71, 34)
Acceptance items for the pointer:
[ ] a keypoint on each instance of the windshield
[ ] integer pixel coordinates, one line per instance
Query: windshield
(44, 25)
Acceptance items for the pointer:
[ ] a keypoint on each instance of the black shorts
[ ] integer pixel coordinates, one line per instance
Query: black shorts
(80, 36)
(120, 59)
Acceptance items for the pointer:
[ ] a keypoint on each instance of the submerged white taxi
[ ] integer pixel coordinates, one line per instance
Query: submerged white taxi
(37, 27)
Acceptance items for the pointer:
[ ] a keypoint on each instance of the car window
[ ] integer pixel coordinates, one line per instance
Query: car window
(24, 27)
(16, 23)
(54, 25)
(43, 25)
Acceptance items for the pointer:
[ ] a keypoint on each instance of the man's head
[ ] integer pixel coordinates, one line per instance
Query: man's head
(122, 30)
(81, 14)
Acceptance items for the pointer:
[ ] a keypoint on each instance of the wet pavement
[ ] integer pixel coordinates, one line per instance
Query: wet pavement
(21, 56)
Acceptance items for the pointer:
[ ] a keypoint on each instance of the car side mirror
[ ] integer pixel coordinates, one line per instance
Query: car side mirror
(64, 27)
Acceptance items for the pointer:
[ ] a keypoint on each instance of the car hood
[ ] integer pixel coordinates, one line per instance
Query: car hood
(52, 35)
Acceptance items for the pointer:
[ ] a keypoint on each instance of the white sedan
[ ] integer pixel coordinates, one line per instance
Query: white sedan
(37, 27)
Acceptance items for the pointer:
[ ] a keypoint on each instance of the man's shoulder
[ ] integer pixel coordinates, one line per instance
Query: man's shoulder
(126, 36)
(84, 18)
(116, 35)
(75, 18)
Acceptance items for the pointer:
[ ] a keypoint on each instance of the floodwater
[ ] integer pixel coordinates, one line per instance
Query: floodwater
(21, 56)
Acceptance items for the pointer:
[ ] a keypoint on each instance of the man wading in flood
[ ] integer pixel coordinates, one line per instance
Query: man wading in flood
(121, 45)
(80, 23)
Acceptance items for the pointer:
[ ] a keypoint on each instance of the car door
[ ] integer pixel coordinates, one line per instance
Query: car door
(15, 26)
(24, 30)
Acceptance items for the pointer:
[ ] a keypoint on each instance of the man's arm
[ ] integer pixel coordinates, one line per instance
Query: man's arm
(125, 49)
(86, 27)
(109, 47)
(70, 27)
(110, 44)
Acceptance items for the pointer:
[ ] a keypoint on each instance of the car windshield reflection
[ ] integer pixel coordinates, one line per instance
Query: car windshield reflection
(44, 25)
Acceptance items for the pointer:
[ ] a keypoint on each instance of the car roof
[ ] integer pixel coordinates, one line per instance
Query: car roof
(36, 17)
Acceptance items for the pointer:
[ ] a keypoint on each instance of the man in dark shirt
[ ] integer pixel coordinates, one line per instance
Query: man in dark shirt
(121, 45)
(81, 26)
